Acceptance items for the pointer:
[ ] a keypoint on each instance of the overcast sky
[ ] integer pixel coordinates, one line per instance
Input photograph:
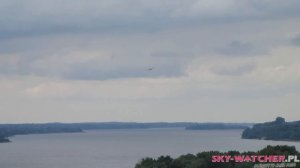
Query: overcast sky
(149, 60)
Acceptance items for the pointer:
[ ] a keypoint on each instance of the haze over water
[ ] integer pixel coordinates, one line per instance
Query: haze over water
(118, 148)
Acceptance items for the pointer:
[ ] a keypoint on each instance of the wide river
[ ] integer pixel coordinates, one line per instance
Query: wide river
(118, 148)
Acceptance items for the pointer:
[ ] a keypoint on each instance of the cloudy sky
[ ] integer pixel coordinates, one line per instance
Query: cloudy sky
(149, 60)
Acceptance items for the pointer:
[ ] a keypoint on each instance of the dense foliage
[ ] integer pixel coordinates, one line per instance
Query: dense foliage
(204, 159)
(276, 130)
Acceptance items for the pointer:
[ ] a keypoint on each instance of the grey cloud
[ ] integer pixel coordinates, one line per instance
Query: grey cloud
(94, 73)
(296, 41)
(94, 68)
(123, 68)
(36, 31)
(172, 54)
(35, 18)
(235, 70)
(237, 48)
(165, 54)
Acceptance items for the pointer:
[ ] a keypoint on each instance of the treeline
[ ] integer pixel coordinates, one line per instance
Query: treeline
(8, 130)
(204, 159)
(215, 126)
(186, 125)
(131, 125)
(276, 130)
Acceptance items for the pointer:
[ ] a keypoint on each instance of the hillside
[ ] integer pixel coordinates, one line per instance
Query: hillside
(275, 130)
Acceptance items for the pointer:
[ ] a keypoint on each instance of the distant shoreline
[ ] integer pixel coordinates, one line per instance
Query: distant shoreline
(9, 130)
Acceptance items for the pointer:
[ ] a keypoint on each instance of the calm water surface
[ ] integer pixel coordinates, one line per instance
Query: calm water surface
(118, 148)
